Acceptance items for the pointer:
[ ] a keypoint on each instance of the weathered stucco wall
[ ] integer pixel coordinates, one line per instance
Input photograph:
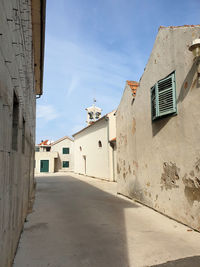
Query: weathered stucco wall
(159, 162)
(17, 122)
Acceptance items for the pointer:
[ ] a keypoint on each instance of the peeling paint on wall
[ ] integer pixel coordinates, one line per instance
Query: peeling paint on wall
(192, 184)
(169, 176)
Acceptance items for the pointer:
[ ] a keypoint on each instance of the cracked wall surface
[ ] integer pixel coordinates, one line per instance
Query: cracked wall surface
(158, 163)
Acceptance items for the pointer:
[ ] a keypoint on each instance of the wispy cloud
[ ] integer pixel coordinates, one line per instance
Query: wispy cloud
(47, 113)
(92, 48)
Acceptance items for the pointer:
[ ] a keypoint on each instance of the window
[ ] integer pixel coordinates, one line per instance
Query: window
(48, 148)
(91, 115)
(65, 150)
(23, 136)
(80, 148)
(97, 115)
(99, 143)
(15, 122)
(37, 149)
(163, 97)
(65, 164)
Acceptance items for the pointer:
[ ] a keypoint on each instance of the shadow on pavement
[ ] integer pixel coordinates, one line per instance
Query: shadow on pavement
(75, 224)
(185, 262)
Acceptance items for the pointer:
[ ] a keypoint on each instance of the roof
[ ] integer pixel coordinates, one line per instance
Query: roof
(61, 139)
(38, 8)
(183, 26)
(45, 143)
(133, 85)
(104, 117)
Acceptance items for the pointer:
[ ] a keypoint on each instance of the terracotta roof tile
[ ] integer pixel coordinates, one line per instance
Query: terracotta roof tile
(133, 85)
(44, 143)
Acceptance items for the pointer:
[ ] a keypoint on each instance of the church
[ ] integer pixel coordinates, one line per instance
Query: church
(95, 145)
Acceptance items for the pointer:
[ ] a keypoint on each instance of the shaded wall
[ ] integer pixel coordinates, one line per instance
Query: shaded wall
(17, 122)
(158, 162)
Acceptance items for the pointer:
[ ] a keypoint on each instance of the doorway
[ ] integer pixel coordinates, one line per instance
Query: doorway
(44, 166)
(84, 158)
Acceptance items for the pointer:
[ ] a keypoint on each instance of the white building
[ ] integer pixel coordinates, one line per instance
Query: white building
(55, 156)
(94, 147)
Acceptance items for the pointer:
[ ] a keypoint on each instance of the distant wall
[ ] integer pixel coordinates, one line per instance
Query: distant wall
(90, 159)
(50, 156)
(158, 162)
(58, 147)
(17, 122)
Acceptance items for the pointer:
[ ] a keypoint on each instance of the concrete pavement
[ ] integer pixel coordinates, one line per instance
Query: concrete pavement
(80, 222)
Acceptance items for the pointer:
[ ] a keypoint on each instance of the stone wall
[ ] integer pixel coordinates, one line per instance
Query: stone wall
(17, 122)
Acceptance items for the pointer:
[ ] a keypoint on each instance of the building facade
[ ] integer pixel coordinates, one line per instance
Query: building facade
(158, 132)
(54, 157)
(21, 63)
(95, 149)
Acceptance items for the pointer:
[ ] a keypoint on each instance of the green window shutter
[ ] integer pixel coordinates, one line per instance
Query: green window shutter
(163, 97)
(65, 150)
(154, 103)
(167, 95)
(65, 164)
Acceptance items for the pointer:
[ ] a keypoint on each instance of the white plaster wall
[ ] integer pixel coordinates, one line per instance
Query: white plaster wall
(112, 124)
(16, 167)
(97, 159)
(112, 134)
(64, 157)
(158, 163)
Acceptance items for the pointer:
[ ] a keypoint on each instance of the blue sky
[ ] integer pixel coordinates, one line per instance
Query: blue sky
(92, 48)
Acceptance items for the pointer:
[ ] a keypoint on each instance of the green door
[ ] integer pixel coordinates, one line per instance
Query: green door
(44, 166)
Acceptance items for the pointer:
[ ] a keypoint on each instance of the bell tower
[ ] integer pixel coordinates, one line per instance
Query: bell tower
(93, 113)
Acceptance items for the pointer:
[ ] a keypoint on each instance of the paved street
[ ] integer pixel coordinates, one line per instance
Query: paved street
(81, 222)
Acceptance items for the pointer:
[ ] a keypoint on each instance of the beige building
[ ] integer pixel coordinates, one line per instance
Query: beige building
(158, 132)
(21, 64)
(95, 148)
(55, 156)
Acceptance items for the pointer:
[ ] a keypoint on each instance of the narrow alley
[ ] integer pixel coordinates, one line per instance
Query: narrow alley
(81, 221)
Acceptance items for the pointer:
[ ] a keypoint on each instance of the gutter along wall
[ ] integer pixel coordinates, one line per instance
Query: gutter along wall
(17, 119)
(158, 163)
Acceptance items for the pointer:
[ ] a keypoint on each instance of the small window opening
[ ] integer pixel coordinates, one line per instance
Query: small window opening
(65, 150)
(97, 115)
(99, 143)
(91, 115)
(15, 122)
(48, 149)
(80, 148)
(65, 164)
(37, 149)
